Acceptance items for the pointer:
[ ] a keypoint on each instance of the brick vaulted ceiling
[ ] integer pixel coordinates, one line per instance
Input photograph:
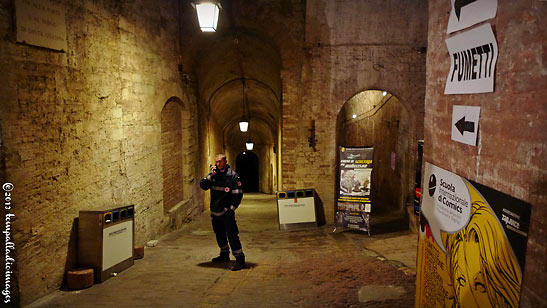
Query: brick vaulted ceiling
(239, 57)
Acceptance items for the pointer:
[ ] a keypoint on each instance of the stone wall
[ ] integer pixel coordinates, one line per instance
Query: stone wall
(265, 176)
(211, 145)
(350, 46)
(82, 128)
(511, 154)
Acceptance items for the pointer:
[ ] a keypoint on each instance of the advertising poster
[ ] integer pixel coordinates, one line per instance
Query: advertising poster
(353, 202)
(472, 244)
(418, 182)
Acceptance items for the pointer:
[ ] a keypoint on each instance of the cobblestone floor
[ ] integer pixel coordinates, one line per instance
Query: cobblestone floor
(311, 268)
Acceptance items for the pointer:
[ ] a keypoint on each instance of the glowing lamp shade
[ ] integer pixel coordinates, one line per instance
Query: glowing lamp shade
(207, 16)
(243, 125)
(250, 145)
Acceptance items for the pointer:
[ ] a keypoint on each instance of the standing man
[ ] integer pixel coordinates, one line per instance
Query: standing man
(226, 195)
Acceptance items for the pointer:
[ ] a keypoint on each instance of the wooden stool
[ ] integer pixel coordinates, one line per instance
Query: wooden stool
(138, 252)
(79, 278)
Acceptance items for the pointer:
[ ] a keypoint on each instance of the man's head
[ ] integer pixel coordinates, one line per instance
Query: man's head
(220, 162)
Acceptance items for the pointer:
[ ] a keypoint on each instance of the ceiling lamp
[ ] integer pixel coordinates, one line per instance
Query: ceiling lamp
(243, 125)
(249, 144)
(208, 16)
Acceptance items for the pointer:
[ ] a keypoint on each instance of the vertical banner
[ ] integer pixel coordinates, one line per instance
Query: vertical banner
(353, 203)
(472, 244)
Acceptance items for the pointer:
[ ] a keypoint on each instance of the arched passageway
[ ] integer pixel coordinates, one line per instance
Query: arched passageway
(247, 168)
(239, 70)
(379, 119)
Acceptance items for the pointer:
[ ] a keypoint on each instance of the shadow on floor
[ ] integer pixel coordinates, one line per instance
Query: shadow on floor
(383, 224)
(226, 265)
(386, 228)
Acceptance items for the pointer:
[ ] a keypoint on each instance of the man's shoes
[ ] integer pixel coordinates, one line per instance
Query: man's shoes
(240, 263)
(238, 266)
(222, 258)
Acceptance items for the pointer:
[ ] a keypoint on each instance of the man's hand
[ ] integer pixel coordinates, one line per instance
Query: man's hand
(212, 173)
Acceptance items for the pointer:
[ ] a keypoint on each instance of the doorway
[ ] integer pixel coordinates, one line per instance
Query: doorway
(247, 168)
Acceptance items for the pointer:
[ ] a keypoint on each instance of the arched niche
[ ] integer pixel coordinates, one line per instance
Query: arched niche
(172, 131)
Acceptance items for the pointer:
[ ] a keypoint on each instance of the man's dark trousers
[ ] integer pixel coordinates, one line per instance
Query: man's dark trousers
(226, 230)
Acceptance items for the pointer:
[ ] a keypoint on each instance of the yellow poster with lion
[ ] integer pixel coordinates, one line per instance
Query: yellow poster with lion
(472, 244)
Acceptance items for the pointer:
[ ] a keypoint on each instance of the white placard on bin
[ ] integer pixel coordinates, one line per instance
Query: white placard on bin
(296, 209)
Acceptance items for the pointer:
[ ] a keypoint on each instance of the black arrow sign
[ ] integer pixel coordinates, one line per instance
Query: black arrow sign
(458, 4)
(465, 126)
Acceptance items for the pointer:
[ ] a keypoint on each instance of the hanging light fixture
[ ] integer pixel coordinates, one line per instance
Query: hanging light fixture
(243, 124)
(249, 144)
(208, 15)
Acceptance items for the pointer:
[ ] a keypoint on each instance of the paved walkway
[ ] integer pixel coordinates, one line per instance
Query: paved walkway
(311, 268)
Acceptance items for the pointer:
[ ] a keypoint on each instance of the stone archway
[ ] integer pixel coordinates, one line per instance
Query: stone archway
(379, 119)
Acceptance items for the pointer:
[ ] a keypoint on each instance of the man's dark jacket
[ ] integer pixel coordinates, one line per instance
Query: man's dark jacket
(226, 191)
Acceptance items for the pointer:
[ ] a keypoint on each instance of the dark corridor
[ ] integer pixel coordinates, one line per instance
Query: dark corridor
(247, 168)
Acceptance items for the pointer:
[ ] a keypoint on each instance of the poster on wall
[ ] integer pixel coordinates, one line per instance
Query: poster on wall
(473, 56)
(353, 203)
(418, 181)
(466, 13)
(472, 243)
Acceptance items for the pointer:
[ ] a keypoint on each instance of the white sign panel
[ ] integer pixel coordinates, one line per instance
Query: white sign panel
(41, 23)
(465, 124)
(117, 243)
(297, 210)
(466, 13)
(446, 202)
(473, 56)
